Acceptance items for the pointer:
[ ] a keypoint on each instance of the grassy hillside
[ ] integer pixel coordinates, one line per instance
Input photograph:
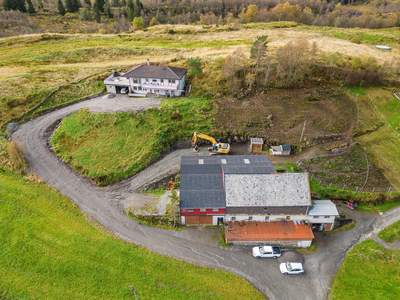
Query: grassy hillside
(124, 143)
(50, 251)
(369, 272)
(390, 233)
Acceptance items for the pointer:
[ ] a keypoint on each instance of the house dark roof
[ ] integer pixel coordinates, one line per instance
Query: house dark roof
(159, 72)
(202, 183)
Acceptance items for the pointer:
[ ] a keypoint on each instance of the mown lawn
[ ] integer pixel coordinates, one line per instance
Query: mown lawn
(50, 251)
(110, 147)
(390, 233)
(370, 271)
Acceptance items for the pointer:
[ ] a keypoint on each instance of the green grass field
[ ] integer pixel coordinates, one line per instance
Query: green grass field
(50, 251)
(390, 233)
(369, 272)
(110, 147)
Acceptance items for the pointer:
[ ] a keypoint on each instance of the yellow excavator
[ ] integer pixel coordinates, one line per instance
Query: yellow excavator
(217, 148)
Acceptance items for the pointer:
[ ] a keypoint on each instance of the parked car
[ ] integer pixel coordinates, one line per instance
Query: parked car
(291, 268)
(124, 90)
(266, 251)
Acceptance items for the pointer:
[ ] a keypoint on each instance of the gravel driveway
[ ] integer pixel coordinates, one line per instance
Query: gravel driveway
(107, 206)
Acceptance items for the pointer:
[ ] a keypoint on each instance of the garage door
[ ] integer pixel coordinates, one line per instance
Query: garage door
(198, 220)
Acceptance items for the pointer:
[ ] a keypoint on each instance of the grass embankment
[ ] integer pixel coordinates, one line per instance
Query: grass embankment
(47, 243)
(366, 201)
(369, 272)
(379, 141)
(110, 147)
(390, 233)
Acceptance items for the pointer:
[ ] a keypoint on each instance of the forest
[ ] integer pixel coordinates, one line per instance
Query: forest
(114, 16)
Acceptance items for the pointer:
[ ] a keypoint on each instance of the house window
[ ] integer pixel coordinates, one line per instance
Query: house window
(174, 81)
(233, 218)
(135, 80)
(169, 81)
(327, 217)
(157, 91)
(287, 218)
(203, 209)
(135, 88)
(250, 218)
(215, 209)
(190, 210)
(266, 218)
(315, 217)
(154, 80)
(265, 208)
(140, 88)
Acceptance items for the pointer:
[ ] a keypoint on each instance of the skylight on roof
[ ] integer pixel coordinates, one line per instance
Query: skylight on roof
(201, 161)
(246, 161)
(223, 161)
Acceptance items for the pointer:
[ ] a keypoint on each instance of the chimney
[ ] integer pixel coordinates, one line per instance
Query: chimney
(148, 62)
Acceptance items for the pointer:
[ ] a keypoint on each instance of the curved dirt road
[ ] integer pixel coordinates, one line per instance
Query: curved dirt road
(105, 205)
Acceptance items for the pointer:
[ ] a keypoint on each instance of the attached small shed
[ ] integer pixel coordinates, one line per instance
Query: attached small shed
(323, 212)
(280, 150)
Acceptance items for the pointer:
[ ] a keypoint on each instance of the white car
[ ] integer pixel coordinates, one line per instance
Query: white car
(291, 268)
(266, 251)
(124, 90)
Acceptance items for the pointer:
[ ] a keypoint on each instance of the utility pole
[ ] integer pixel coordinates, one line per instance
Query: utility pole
(304, 127)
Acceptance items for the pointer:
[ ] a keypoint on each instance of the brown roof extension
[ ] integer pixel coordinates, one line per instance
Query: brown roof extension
(160, 72)
(252, 231)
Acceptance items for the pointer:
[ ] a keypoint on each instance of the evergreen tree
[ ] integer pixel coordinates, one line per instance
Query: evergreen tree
(61, 8)
(14, 5)
(97, 10)
(69, 6)
(139, 8)
(109, 13)
(131, 11)
(31, 9)
(88, 3)
(75, 5)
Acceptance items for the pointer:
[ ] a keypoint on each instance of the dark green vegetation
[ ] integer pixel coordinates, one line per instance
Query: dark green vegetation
(124, 143)
(47, 243)
(369, 272)
(390, 233)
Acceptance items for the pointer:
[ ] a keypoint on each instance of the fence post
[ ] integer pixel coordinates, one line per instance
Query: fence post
(373, 189)
(343, 187)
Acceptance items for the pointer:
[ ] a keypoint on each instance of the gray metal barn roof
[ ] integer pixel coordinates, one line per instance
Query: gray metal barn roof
(202, 183)
(290, 189)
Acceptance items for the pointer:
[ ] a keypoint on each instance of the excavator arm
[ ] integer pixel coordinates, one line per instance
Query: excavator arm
(202, 136)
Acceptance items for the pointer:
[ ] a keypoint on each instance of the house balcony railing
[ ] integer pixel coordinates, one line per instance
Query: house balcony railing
(154, 85)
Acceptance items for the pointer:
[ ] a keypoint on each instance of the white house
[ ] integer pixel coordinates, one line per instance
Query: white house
(147, 79)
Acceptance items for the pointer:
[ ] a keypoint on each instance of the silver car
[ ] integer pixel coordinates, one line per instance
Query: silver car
(266, 251)
(291, 268)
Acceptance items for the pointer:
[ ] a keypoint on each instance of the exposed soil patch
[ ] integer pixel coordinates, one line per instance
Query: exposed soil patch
(279, 115)
(352, 169)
